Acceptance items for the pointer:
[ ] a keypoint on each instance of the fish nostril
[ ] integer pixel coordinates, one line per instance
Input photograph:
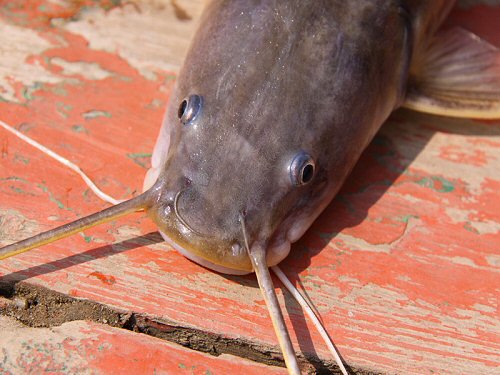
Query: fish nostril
(242, 215)
(236, 249)
(167, 210)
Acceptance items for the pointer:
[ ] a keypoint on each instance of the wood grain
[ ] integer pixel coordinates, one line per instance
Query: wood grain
(88, 348)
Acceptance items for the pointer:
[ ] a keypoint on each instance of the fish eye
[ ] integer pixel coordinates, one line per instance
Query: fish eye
(189, 108)
(302, 169)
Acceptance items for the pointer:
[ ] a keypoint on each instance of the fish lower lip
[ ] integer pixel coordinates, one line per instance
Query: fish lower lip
(275, 255)
(202, 261)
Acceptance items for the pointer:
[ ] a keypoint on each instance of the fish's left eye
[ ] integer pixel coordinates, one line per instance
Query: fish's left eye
(302, 169)
(189, 109)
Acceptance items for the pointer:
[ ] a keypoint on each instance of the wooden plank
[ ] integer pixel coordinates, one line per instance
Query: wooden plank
(81, 347)
(402, 266)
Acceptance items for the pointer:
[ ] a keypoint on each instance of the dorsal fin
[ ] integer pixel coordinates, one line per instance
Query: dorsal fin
(458, 76)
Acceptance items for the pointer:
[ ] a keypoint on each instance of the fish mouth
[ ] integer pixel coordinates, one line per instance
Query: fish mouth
(226, 253)
(202, 261)
(223, 249)
(275, 255)
(221, 254)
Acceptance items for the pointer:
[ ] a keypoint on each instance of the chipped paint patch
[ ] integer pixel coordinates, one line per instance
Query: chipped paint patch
(89, 115)
(77, 346)
(141, 158)
(87, 70)
(125, 232)
(123, 28)
(79, 129)
(18, 45)
(14, 226)
(437, 183)
(446, 135)
(486, 226)
(493, 260)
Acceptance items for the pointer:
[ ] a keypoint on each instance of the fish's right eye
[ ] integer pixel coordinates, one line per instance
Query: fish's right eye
(189, 109)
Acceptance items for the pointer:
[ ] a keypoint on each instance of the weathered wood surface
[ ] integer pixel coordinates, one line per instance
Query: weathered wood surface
(403, 266)
(80, 347)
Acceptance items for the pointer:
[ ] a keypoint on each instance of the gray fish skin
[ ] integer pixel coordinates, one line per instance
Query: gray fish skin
(277, 78)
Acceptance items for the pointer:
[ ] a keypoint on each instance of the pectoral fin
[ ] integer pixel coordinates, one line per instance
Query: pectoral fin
(458, 76)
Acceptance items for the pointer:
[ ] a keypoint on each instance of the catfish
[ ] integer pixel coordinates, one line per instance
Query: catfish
(274, 104)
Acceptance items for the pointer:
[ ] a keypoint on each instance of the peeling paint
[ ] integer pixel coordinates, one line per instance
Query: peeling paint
(96, 114)
(16, 49)
(90, 71)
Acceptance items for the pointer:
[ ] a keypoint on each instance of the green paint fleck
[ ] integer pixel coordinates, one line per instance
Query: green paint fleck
(470, 228)
(52, 198)
(63, 109)
(181, 365)
(406, 218)
(87, 239)
(437, 183)
(141, 158)
(21, 158)
(208, 372)
(13, 178)
(89, 115)
(59, 90)
(18, 190)
(28, 91)
(79, 129)
(86, 194)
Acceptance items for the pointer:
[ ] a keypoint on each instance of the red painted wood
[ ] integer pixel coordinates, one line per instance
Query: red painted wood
(85, 347)
(402, 266)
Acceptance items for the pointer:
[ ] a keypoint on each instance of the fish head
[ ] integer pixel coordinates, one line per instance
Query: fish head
(264, 124)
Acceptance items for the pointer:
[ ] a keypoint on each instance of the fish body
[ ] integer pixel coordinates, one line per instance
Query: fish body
(277, 81)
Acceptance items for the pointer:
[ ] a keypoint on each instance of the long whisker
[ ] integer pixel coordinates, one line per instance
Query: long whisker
(309, 311)
(139, 203)
(63, 161)
(257, 256)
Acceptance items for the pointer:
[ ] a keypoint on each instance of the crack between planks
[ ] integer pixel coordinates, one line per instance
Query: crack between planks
(37, 306)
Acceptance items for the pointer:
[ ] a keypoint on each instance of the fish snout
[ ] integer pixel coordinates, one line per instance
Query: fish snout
(191, 225)
(211, 234)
